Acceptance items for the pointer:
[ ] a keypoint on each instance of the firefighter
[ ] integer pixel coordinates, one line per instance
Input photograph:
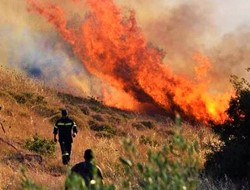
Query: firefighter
(66, 129)
(90, 172)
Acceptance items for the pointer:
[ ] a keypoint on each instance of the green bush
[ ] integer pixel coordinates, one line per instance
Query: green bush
(95, 101)
(27, 184)
(232, 158)
(138, 126)
(148, 141)
(96, 108)
(173, 167)
(101, 127)
(148, 124)
(70, 99)
(142, 125)
(40, 145)
(75, 182)
(85, 110)
(28, 97)
(98, 117)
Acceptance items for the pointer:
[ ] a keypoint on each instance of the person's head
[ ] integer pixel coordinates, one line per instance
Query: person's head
(88, 155)
(64, 113)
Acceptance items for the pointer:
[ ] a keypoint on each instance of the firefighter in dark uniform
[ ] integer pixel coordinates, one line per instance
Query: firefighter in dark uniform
(88, 170)
(66, 129)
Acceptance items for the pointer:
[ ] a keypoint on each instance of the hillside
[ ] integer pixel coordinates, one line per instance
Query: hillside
(28, 109)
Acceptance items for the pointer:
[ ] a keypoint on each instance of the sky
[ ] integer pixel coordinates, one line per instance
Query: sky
(232, 14)
(229, 13)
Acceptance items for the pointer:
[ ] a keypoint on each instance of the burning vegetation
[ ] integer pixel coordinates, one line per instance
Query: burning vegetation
(111, 46)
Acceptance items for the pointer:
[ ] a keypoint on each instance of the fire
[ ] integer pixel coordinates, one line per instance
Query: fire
(112, 47)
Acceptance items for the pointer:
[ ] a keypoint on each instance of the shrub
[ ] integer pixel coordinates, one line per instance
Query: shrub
(27, 184)
(175, 166)
(148, 141)
(72, 182)
(232, 158)
(138, 126)
(148, 124)
(96, 108)
(40, 145)
(142, 125)
(85, 110)
(115, 120)
(98, 117)
(45, 110)
(101, 127)
(95, 101)
(27, 97)
(20, 99)
(75, 182)
(70, 99)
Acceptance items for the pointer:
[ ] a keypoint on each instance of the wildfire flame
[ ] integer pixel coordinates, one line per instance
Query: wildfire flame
(112, 47)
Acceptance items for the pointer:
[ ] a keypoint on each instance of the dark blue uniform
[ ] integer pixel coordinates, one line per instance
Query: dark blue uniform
(88, 171)
(65, 128)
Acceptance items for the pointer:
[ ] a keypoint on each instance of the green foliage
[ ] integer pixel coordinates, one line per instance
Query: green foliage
(85, 110)
(239, 84)
(142, 125)
(148, 141)
(95, 101)
(115, 120)
(96, 108)
(75, 182)
(70, 99)
(28, 97)
(126, 115)
(138, 126)
(102, 127)
(98, 117)
(147, 124)
(27, 184)
(233, 157)
(46, 111)
(173, 167)
(40, 145)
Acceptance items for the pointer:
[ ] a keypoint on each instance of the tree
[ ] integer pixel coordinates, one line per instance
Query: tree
(233, 158)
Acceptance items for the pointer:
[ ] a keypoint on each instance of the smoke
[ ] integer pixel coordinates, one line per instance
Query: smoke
(32, 46)
(182, 28)
(177, 29)
(231, 55)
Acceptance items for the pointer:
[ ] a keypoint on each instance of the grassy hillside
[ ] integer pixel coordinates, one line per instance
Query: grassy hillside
(29, 109)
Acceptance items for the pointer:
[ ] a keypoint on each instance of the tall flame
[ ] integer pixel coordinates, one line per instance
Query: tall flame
(112, 47)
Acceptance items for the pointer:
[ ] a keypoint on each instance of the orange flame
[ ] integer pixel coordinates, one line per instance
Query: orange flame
(112, 47)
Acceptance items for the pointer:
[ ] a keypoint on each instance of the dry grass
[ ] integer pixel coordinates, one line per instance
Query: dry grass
(28, 108)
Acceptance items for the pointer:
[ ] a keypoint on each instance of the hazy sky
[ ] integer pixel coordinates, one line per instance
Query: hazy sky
(228, 13)
(232, 13)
